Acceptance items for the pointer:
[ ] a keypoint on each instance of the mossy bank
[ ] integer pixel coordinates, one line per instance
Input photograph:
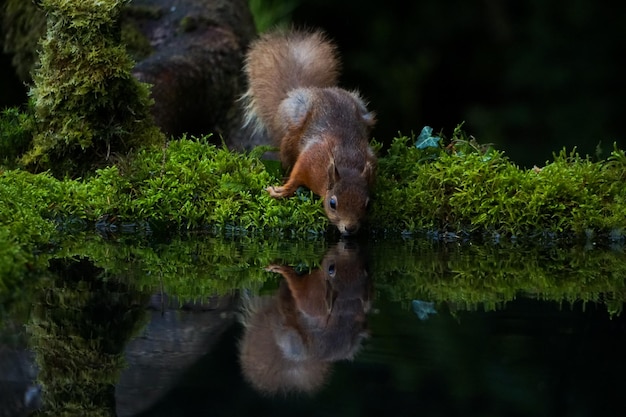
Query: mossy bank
(457, 188)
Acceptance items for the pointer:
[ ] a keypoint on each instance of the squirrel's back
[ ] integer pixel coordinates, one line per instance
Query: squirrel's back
(281, 61)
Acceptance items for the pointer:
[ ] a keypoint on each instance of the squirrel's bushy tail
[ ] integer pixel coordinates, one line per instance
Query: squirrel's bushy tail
(279, 62)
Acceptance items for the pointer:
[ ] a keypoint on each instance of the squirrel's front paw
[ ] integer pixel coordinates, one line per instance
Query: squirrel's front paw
(276, 192)
(274, 268)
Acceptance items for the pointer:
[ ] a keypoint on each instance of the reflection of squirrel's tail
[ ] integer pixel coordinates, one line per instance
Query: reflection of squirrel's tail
(280, 62)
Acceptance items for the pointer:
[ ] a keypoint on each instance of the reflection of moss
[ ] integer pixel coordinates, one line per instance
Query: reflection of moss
(87, 104)
(188, 268)
(78, 330)
(461, 276)
(192, 268)
(469, 276)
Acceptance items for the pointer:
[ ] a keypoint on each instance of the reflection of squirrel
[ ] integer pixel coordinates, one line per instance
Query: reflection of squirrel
(322, 130)
(291, 339)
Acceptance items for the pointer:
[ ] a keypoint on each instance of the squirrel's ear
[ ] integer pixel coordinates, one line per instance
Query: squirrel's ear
(333, 173)
(296, 107)
(368, 117)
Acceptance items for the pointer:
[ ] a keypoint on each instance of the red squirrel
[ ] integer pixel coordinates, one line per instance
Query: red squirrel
(322, 130)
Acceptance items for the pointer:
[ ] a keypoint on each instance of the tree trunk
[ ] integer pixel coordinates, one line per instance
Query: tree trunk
(196, 64)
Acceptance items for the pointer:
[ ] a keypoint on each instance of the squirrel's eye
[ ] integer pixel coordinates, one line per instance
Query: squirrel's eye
(333, 203)
(331, 270)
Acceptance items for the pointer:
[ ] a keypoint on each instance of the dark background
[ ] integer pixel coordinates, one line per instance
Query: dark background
(12, 90)
(531, 77)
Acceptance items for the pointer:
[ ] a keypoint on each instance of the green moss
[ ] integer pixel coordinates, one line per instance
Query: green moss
(87, 104)
(26, 205)
(26, 227)
(15, 135)
(465, 188)
(191, 184)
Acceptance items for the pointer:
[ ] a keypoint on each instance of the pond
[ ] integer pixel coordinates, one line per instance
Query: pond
(199, 325)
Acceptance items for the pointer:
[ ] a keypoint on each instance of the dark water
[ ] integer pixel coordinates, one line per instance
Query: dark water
(201, 326)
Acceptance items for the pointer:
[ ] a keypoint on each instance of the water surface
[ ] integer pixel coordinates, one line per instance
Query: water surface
(199, 325)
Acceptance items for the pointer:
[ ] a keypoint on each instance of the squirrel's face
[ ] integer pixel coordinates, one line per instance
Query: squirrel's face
(346, 205)
(347, 199)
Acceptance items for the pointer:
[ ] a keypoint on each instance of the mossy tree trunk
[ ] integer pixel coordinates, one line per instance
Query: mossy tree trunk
(88, 107)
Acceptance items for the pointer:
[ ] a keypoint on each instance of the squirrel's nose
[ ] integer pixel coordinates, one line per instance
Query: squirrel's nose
(350, 229)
